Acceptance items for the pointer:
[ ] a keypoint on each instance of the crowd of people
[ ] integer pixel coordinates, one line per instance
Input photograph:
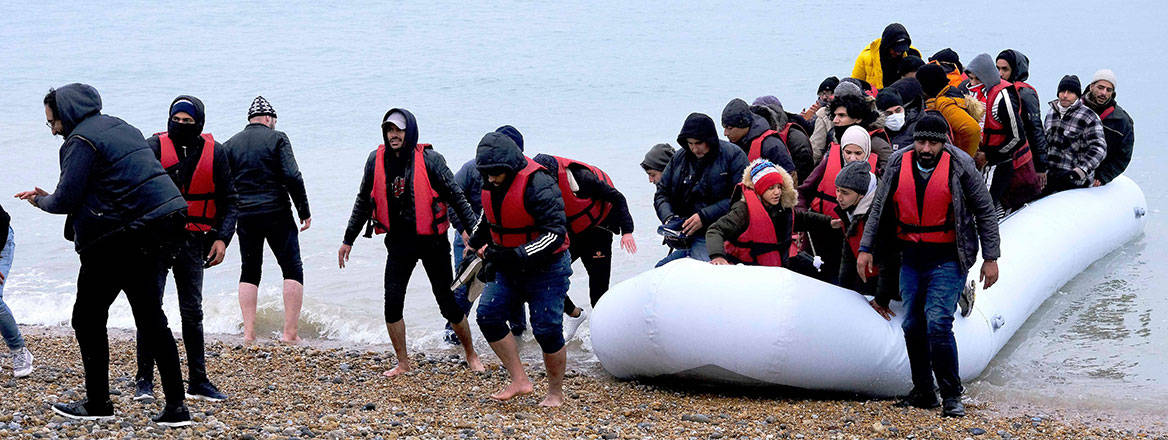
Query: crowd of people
(889, 184)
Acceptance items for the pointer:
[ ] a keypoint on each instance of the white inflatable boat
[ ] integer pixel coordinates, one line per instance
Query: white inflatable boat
(758, 325)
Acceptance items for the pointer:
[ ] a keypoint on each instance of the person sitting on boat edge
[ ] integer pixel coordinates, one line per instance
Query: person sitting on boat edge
(696, 186)
(1075, 141)
(937, 231)
(1118, 128)
(758, 228)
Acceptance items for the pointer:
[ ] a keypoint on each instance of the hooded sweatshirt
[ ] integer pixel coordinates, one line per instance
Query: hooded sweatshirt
(703, 185)
(399, 184)
(1006, 109)
(1031, 106)
(188, 146)
(773, 148)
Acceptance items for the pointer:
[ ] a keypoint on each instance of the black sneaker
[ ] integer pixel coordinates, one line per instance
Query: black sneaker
(82, 410)
(144, 391)
(451, 338)
(919, 399)
(176, 417)
(205, 391)
(953, 407)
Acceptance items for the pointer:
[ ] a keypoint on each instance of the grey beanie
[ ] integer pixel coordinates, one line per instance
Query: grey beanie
(848, 88)
(855, 176)
(658, 157)
(737, 114)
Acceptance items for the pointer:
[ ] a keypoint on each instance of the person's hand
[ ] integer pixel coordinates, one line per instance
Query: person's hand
(719, 261)
(31, 196)
(306, 222)
(692, 225)
(1041, 181)
(1080, 175)
(465, 237)
(218, 251)
(505, 257)
(809, 112)
(628, 243)
(980, 160)
(837, 223)
(1096, 183)
(482, 252)
(343, 254)
(864, 265)
(989, 273)
(1, 278)
(884, 312)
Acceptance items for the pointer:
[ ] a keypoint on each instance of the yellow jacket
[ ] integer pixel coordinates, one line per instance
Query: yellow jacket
(962, 114)
(868, 67)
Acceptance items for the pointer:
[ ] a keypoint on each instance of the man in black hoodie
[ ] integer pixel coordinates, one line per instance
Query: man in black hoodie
(404, 192)
(696, 186)
(522, 235)
(198, 165)
(1013, 66)
(125, 218)
(265, 176)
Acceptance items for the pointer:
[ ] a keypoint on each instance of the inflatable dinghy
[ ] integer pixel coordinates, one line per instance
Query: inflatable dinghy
(770, 326)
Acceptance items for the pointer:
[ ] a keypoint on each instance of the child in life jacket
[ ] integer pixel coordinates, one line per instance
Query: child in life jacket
(855, 187)
(759, 226)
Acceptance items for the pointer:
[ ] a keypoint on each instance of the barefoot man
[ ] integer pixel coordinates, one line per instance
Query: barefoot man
(522, 234)
(404, 193)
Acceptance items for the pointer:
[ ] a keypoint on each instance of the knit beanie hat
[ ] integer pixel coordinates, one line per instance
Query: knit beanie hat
(933, 80)
(1070, 83)
(848, 88)
(828, 85)
(185, 106)
(858, 136)
(888, 98)
(931, 127)
(764, 174)
(658, 157)
(1104, 75)
(947, 55)
(855, 176)
(737, 114)
(512, 133)
(260, 107)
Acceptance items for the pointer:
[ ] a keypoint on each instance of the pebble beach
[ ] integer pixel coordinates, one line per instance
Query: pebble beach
(320, 389)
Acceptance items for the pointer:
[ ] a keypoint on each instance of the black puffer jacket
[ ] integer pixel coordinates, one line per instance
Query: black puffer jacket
(773, 148)
(541, 199)
(1031, 107)
(110, 181)
(691, 185)
(618, 221)
(441, 180)
(266, 174)
(189, 152)
(798, 143)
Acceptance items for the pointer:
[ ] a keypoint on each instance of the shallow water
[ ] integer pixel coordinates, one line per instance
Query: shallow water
(600, 82)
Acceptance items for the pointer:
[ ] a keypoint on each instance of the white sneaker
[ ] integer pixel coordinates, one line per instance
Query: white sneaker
(571, 325)
(21, 362)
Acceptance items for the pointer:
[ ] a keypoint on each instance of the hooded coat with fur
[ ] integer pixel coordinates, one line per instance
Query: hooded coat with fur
(735, 222)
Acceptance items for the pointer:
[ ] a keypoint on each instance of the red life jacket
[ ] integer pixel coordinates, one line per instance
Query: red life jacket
(516, 227)
(200, 191)
(854, 244)
(929, 221)
(756, 145)
(824, 201)
(994, 133)
(759, 243)
(880, 132)
(582, 213)
(785, 133)
(429, 211)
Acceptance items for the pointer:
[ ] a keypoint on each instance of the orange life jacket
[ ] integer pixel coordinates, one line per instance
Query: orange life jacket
(582, 213)
(928, 221)
(994, 133)
(429, 211)
(824, 201)
(759, 243)
(514, 226)
(200, 191)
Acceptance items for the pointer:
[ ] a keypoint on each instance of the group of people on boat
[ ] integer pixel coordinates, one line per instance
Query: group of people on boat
(888, 185)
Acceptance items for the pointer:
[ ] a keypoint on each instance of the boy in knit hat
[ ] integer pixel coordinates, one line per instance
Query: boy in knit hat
(855, 186)
(656, 160)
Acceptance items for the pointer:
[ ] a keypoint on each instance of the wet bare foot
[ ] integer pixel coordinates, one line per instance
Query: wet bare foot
(249, 341)
(401, 368)
(295, 341)
(552, 400)
(514, 389)
(474, 363)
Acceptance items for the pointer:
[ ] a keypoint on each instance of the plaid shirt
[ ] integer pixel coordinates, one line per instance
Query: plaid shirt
(1074, 139)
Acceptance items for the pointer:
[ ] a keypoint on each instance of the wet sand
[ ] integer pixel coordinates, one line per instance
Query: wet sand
(324, 390)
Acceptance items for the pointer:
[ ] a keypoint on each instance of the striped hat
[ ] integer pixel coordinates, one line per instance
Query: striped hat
(260, 107)
(764, 174)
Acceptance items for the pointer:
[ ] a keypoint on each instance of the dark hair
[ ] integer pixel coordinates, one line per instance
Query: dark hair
(856, 107)
(51, 102)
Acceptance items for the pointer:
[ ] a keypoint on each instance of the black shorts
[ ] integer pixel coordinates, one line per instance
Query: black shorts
(280, 231)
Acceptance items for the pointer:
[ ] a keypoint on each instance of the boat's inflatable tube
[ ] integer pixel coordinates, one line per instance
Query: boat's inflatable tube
(757, 325)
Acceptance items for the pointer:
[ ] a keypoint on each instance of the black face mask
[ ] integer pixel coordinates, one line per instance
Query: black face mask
(183, 134)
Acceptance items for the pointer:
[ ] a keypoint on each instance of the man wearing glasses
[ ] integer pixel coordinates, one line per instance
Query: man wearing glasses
(199, 166)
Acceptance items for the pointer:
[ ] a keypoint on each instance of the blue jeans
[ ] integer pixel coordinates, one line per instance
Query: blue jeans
(542, 289)
(697, 250)
(930, 290)
(518, 320)
(8, 326)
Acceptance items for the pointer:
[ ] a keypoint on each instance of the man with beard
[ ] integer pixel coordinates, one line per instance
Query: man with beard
(1118, 128)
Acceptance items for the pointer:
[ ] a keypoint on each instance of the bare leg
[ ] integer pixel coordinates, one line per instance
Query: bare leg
(520, 384)
(247, 305)
(555, 364)
(293, 298)
(462, 329)
(397, 335)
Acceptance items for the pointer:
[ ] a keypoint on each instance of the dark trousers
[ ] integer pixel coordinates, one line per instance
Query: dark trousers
(930, 290)
(594, 247)
(518, 320)
(404, 252)
(134, 263)
(828, 244)
(280, 231)
(188, 279)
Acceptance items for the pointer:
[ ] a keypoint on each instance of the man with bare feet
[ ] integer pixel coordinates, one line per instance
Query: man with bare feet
(404, 194)
(265, 176)
(522, 234)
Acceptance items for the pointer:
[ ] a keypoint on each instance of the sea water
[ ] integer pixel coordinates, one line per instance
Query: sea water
(598, 81)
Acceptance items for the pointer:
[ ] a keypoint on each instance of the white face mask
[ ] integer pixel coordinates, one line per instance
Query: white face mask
(894, 121)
